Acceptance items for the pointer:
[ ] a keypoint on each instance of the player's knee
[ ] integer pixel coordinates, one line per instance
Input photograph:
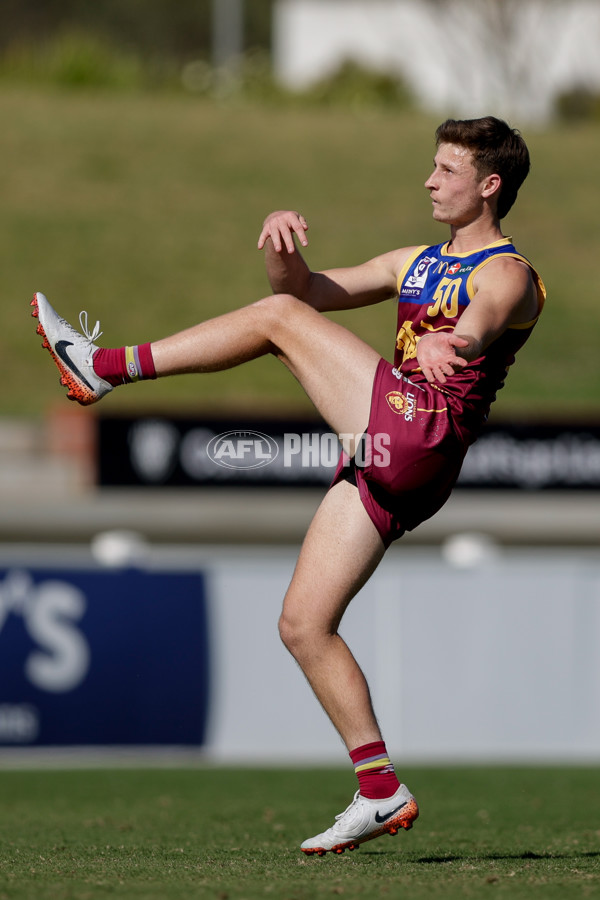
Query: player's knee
(279, 311)
(299, 636)
(286, 631)
(277, 319)
(293, 634)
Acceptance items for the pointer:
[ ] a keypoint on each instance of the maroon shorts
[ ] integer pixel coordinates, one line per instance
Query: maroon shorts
(410, 458)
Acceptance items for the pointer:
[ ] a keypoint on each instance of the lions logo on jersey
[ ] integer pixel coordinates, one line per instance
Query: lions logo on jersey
(406, 341)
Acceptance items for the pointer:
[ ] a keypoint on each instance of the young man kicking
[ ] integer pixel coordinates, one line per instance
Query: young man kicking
(464, 308)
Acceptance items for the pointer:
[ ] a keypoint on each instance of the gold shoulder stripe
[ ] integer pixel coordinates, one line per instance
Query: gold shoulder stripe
(539, 284)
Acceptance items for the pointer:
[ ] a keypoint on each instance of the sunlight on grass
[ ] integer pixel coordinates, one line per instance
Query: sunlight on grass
(235, 833)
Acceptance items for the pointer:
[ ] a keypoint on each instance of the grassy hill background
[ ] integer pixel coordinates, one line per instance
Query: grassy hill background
(145, 210)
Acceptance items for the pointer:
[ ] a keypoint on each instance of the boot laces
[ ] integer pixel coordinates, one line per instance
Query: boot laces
(348, 808)
(93, 335)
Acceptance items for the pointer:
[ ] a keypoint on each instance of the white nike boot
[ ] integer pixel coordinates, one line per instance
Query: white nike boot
(364, 820)
(71, 351)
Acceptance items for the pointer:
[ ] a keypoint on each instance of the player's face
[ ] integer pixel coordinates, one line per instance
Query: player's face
(454, 186)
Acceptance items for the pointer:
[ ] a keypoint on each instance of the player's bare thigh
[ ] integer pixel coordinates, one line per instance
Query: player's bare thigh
(335, 368)
(340, 552)
(333, 365)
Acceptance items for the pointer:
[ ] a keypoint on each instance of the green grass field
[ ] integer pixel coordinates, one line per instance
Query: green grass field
(233, 834)
(145, 210)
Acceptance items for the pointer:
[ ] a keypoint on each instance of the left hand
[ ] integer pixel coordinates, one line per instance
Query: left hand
(436, 355)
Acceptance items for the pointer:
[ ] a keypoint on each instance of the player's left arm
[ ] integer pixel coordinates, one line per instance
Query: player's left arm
(505, 296)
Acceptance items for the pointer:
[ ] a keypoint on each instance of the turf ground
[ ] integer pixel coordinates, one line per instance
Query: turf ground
(233, 834)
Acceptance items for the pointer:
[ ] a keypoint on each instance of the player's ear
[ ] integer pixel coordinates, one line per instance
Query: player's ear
(491, 185)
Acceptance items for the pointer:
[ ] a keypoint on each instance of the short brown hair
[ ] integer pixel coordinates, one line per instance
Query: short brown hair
(497, 149)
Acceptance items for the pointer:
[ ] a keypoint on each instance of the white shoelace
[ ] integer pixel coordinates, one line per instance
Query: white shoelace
(349, 807)
(83, 321)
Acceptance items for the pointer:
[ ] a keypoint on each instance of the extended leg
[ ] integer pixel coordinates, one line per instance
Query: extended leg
(335, 368)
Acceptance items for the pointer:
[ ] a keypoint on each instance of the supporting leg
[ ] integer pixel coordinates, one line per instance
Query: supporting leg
(341, 550)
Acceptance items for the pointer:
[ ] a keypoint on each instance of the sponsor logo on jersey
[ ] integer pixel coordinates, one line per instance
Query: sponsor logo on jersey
(414, 284)
(402, 404)
(454, 268)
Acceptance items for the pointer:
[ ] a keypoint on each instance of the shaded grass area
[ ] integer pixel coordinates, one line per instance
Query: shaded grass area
(145, 210)
(229, 833)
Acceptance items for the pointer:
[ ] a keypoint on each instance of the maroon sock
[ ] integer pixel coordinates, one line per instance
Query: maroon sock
(376, 776)
(124, 364)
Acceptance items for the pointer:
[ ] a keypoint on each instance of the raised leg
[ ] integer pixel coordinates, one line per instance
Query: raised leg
(335, 368)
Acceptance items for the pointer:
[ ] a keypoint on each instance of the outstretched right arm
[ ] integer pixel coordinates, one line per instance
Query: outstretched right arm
(334, 289)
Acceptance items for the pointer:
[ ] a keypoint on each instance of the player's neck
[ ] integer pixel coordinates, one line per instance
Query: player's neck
(466, 238)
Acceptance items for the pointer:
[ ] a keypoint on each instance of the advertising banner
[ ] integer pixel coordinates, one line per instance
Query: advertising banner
(156, 451)
(173, 452)
(102, 656)
(468, 656)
